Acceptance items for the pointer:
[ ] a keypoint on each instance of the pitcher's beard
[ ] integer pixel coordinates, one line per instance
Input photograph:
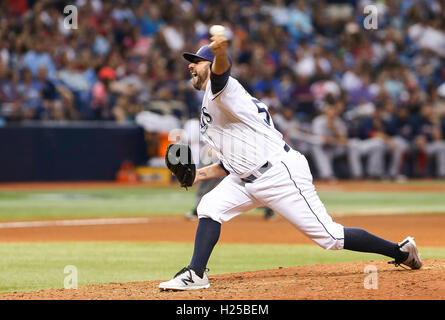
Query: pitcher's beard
(201, 78)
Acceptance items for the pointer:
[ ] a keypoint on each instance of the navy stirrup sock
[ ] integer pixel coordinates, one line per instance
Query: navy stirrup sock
(357, 239)
(207, 236)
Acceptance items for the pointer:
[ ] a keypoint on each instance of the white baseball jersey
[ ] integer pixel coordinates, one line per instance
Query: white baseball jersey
(239, 128)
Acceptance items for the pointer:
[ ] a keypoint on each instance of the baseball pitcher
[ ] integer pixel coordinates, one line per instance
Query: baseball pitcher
(260, 169)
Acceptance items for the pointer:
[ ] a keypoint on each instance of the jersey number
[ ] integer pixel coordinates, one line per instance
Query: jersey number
(260, 109)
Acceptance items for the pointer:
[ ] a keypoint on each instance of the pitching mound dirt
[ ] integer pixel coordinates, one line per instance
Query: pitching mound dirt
(317, 282)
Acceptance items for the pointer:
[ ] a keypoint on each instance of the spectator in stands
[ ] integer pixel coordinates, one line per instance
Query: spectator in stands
(437, 96)
(428, 140)
(9, 94)
(299, 22)
(48, 93)
(364, 92)
(125, 111)
(368, 143)
(149, 20)
(266, 81)
(37, 57)
(29, 96)
(103, 96)
(304, 99)
(297, 134)
(380, 130)
(323, 88)
(332, 132)
(163, 103)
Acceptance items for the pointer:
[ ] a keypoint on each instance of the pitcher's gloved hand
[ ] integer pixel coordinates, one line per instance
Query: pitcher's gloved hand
(180, 162)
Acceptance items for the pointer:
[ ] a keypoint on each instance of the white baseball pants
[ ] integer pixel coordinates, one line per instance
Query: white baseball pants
(287, 189)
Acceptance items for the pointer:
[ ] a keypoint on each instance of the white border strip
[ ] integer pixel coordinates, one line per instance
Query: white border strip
(69, 223)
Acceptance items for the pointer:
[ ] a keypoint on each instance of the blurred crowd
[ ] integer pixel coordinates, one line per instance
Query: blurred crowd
(335, 89)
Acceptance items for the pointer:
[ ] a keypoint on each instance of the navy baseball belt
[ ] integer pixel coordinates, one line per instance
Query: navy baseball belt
(263, 169)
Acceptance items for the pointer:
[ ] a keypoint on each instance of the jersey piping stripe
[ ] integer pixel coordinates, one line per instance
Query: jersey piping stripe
(299, 190)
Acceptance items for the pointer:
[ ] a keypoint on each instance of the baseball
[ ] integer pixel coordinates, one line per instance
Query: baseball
(217, 29)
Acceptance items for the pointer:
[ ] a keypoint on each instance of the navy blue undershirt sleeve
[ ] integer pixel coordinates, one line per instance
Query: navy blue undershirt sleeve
(219, 80)
(222, 166)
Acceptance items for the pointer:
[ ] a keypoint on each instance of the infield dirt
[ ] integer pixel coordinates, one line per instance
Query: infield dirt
(317, 282)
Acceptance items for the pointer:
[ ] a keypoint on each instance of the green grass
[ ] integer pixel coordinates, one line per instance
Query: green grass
(94, 203)
(383, 202)
(34, 266)
(120, 202)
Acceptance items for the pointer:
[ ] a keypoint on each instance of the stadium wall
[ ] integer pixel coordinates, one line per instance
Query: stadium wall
(70, 152)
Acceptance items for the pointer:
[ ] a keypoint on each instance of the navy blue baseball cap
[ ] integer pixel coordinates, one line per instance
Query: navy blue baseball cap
(204, 53)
